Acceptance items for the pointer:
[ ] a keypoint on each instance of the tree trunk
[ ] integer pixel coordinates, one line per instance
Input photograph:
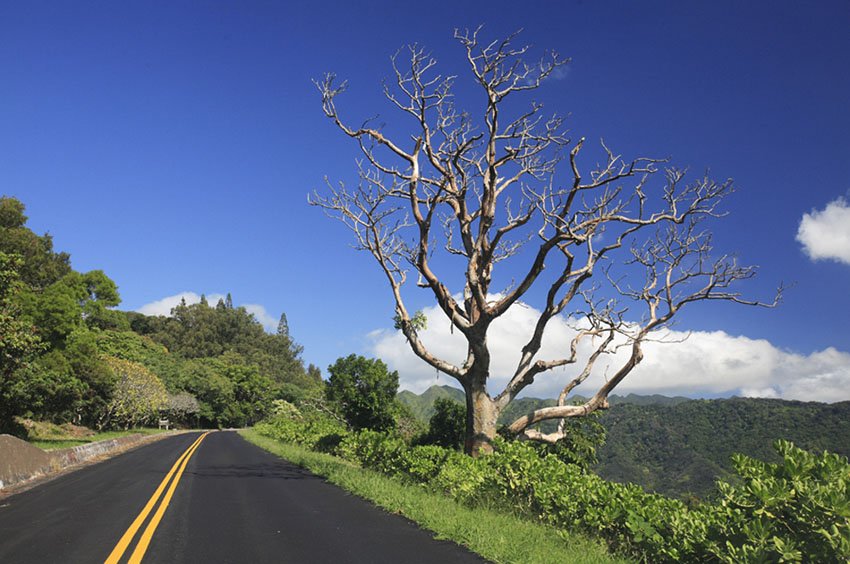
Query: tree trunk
(481, 416)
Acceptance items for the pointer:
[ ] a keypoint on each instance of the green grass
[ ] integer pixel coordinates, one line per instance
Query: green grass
(55, 443)
(495, 535)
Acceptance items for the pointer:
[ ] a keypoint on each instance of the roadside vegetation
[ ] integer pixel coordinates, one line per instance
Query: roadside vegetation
(678, 447)
(797, 509)
(495, 534)
(49, 436)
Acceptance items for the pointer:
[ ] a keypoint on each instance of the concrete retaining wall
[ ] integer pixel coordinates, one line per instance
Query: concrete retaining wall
(21, 462)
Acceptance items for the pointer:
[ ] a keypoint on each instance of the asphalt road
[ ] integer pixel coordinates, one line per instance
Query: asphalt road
(232, 503)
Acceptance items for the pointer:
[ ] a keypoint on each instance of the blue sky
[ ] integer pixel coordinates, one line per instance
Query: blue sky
(173, 144)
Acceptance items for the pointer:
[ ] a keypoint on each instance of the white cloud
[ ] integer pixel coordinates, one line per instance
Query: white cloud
(704, 364)
(165, 305)
(263, 316)
(825, 234)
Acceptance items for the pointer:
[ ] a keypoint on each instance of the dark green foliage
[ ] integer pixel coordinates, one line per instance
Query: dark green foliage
(18, 338)
(232, 388)
(651, 399)
(584, 437)
(680, 447)
(283, 326)
(447, 426)
(364, 391)
(200, 331)
(130, 345)
(71, 383)
(88, 366)
(73, 301)
(223, 357)
(231, 391)
(57, 326)
(314, 373)
(676, 449)
(41, 266)
(19, 342)
(11, 213)
(794, 510)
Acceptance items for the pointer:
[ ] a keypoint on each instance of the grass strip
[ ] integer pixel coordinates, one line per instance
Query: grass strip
(66, 442)
(496, 536)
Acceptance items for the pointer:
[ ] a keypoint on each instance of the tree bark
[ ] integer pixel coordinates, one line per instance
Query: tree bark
(481, 415)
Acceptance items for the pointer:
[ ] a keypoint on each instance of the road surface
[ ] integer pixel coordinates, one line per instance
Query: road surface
(206, 498)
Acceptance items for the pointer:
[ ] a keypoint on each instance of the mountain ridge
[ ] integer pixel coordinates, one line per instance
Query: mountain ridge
(680, 446)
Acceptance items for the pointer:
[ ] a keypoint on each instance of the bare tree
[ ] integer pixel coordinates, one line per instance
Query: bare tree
(489, 189)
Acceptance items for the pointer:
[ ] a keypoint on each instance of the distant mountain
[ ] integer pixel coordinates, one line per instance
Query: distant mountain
(684, 447)
(680, 446)
(653, 399)
(422, 405)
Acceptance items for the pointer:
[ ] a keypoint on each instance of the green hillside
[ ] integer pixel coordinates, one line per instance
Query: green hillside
(679, 446)
(422, 405)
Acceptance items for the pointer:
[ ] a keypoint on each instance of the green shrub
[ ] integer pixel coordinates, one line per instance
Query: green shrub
(797, 510)
(422, 463)
(374, 450)
(462, 477)
(311, 429)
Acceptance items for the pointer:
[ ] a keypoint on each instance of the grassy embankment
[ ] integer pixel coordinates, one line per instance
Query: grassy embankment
(495, 535)
(48, 436)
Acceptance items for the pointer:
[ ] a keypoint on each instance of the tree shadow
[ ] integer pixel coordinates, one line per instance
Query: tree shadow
(265, 470)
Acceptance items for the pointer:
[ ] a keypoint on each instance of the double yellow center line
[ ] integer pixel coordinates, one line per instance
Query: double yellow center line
(142, 546)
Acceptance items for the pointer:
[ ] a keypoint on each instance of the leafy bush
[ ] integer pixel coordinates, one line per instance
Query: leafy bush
(310, 428)
(463, 477)
(584, 437)
(374, 450)
(796, 510)
(423, 463)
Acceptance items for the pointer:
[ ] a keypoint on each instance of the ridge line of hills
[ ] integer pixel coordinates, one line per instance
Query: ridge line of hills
(680, 446)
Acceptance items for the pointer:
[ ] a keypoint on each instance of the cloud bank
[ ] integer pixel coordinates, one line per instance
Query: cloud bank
(165, 305)
(703, 364)
(825, 234)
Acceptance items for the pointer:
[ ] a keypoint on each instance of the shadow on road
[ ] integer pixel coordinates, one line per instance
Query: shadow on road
(268, 471)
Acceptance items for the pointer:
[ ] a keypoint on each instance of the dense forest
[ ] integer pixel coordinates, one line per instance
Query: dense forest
(678, 446)
(67, 354)
(686, 447)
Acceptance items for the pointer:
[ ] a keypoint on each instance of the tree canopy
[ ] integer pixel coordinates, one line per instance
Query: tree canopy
(68, 353)
(41, 265)
(364, 391)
